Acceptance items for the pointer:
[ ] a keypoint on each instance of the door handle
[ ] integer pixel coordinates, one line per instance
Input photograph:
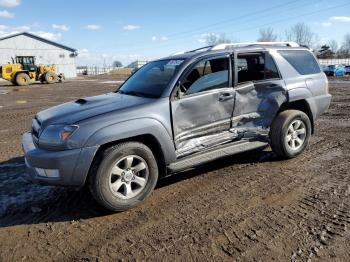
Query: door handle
(225, 96)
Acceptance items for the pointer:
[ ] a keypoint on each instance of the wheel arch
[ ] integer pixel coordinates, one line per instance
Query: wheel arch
(19, 72)
(301, 105)
(147, 139)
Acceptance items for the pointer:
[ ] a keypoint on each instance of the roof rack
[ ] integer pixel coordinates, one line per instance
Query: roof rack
(205, 48)
(225, 46)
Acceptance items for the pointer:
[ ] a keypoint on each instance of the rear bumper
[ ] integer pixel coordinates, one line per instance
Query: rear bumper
(319, 104)
(63, 168)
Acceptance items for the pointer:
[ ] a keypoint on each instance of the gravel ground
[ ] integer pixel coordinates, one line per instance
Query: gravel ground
(251, 206)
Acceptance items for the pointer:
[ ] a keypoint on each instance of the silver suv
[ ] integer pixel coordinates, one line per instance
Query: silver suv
(178, 112)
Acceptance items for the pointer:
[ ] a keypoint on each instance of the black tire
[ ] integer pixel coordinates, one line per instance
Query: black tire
(100, 176)
(280, 133)
(42, 79)
(22, 79)
(61, 78)
(50, 78)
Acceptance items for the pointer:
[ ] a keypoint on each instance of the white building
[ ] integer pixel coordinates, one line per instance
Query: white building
(45, 52)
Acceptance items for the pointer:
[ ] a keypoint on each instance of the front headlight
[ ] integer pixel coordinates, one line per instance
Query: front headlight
(55, 136)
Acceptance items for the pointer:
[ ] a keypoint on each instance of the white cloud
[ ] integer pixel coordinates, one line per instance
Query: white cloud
(6, 14)
(60, 27)
(10, 3)
(15, 28)
(92, 27)
(21, 28)
(48, 35)
(91, 58)
(159, 38)
(131, 27)
(202, 38)
(326, 24)
(10, 30)
(83, 53)
(340, 18)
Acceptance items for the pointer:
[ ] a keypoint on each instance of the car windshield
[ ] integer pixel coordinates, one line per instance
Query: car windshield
(151, 79)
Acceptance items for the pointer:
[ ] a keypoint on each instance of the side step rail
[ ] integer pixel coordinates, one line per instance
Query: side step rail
(206, 157)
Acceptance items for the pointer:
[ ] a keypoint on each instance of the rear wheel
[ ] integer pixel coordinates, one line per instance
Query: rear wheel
(50, 78)
(290, 133)
(125, 177)
(22, 79)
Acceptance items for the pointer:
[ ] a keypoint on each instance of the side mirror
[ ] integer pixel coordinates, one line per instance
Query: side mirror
(179, 92)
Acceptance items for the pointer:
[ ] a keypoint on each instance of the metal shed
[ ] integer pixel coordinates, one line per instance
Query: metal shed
(45, 52)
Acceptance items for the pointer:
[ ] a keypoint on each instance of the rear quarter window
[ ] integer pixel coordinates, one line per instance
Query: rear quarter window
(303, 61)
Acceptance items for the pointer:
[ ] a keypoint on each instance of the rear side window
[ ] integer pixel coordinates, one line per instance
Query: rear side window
(256, 67)
(303, 61)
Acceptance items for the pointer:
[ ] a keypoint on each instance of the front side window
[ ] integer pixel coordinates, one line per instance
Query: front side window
(256, 67)
(302, 61)
(206, 75)
(151, 79)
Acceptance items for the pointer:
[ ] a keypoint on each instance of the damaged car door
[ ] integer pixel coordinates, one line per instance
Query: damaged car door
(203, 105)
(260, 91)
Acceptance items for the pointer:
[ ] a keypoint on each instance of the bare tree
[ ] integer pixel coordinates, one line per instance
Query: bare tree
(302, 34)
(333, 44)
(214, 39)
(266, 35)
(346, 43)
(344, 50)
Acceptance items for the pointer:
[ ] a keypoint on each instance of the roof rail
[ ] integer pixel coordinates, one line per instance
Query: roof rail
(225, 46)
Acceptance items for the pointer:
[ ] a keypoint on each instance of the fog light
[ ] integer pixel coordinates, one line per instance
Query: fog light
(51, 173)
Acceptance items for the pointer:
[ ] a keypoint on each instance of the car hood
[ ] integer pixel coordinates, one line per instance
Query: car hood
(84, 108)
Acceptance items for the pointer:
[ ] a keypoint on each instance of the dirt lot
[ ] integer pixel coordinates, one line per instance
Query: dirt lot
(245, 207)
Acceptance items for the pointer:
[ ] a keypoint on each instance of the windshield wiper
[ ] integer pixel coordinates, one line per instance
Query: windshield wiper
(131, 93)
(135, 93)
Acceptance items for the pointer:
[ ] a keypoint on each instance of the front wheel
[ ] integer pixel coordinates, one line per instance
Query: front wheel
(50, 77)
(125, 177)
(290, 133)
(22, 79)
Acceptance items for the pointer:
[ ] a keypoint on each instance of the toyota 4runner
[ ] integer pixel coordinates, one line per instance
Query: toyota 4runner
(176, 113)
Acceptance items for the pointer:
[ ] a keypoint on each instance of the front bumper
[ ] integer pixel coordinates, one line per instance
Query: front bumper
(70, 167)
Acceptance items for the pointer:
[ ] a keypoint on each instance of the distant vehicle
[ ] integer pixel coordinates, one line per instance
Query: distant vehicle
(23, 70)
(176, 113)
(334, 70)
(347, 70)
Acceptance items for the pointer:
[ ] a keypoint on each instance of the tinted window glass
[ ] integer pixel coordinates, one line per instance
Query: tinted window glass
(270, 68)
(151, 79)
(255, 67)
(207, 75)
(303, 61)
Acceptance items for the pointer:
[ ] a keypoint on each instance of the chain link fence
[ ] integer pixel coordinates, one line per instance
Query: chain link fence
(334, 61)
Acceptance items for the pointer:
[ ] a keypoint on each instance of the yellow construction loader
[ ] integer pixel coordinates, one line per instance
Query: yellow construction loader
(23, 70)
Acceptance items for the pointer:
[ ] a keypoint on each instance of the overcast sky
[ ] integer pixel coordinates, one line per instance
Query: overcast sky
(127, 30)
